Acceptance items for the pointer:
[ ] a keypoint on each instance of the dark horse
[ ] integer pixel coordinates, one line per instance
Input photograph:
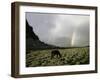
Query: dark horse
(55, 53)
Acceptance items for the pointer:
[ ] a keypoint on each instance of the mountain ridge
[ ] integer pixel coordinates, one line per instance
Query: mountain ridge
(33, 42)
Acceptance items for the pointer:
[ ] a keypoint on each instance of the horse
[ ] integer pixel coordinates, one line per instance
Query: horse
(55, 53)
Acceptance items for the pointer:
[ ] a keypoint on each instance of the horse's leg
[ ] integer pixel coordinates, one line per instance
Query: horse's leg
(59, 55)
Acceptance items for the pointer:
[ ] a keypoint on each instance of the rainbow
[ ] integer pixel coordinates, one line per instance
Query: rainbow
(73, 38)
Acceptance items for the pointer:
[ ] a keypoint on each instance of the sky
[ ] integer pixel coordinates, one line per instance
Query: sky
(63, 30)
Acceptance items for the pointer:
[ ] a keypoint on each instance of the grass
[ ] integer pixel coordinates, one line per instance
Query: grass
(72, 56)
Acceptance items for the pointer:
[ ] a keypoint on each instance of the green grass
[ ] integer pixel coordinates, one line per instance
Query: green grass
(72, 56)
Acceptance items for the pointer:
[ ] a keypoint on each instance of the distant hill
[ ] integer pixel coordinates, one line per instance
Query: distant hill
(33, 42)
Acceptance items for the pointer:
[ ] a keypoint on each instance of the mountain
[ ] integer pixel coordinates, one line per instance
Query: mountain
(33, 42)
(30, 33)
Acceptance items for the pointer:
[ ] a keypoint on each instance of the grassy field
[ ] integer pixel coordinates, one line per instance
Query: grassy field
(72, 56)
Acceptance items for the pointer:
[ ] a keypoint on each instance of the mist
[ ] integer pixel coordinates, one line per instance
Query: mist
(60, 29)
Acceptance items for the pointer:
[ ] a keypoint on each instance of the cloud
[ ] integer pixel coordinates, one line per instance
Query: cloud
(60, 30)
(82, 33)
